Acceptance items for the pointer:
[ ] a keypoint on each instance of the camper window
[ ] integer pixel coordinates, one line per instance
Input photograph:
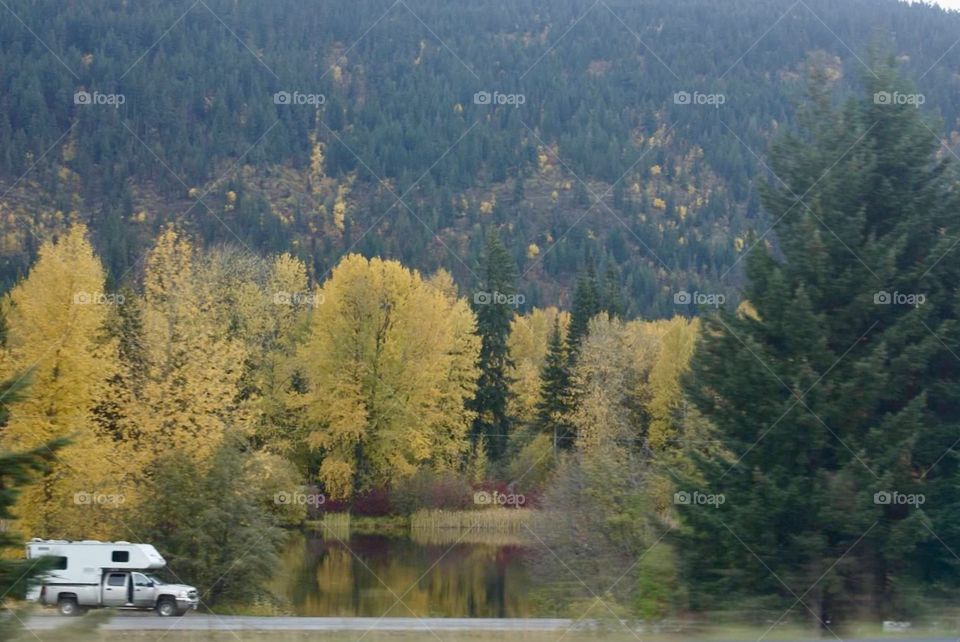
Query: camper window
(120, 556)
(59, 563)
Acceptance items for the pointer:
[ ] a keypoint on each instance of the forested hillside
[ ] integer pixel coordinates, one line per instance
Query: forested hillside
(411, 129)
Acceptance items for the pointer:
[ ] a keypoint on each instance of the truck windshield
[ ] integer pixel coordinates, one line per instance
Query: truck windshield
(156, 580)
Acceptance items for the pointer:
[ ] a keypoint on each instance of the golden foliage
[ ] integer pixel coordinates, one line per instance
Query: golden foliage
(340, 207)
(390, 360)
(56, 318)
(192, 367)
(486, 207)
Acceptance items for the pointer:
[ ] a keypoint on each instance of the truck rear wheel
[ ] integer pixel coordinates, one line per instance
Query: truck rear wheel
(68, 606)
(167, 607)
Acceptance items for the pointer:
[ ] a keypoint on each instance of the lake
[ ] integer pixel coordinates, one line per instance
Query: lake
(434, 574)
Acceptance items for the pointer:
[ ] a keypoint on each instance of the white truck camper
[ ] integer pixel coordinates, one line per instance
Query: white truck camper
(93, 574)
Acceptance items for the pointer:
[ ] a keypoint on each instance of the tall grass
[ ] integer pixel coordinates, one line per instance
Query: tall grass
(506, 520)
(335, 526)
(450, 536)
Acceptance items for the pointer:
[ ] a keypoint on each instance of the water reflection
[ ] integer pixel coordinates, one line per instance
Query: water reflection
(319, 577)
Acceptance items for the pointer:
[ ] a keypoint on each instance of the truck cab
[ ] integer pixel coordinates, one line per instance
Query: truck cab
(133, 589)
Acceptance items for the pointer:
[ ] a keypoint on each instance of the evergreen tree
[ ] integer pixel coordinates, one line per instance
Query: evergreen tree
(17, 469)
(834, 391)
(555, 405)
(611, 299)
(587, 303)
(495, 311)
(212, 523)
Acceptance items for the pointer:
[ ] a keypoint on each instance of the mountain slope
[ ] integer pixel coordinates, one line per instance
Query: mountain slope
(293, 125)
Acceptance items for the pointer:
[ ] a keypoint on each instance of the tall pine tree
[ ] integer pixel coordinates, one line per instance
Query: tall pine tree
(835, 392)
(587, 303)
(556, 401)
(494, 310)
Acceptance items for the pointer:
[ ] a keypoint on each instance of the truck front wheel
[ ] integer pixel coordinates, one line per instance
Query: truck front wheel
(68, 606)
(166, 607)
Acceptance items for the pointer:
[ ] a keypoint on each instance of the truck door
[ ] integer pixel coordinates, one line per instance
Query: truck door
(115, 589)
(144, 593)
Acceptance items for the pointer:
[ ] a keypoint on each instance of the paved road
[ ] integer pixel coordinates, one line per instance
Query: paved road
(203, 622)
(146, 621)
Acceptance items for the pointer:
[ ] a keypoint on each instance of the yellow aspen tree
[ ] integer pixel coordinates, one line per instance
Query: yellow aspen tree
(280, 425)
(340, 207)
(317, 166)
(56, 319)
(387, 358)
(603, 376)
(449, 445)
(677, 339)
(193, 367)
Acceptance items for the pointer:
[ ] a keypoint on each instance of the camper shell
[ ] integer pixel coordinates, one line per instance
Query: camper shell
(84, 562)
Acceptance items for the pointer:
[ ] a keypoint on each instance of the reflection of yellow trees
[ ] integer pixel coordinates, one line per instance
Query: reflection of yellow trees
(335, 572)
(466, 580)
(290, 558)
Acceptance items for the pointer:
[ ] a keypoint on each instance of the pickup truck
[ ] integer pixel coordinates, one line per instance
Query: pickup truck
(124, 590)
